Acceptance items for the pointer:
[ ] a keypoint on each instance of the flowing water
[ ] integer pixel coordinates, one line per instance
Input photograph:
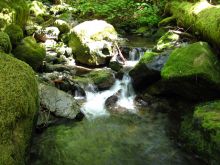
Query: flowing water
(132, 138)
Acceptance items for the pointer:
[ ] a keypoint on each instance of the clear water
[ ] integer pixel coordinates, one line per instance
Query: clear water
(129, 139)
(132, 138)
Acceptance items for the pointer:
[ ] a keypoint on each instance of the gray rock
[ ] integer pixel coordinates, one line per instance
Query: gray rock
(148, 69)
(94, 45)
(58, 102)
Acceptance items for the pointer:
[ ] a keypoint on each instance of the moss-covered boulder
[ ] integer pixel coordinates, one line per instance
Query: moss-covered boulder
(103, 79)
(201, 131)
(192, 71)
(5, 43)
(147, 71)
(93, 46)
(167, 41)
(15, 33)
(18, 106)
(31, 52)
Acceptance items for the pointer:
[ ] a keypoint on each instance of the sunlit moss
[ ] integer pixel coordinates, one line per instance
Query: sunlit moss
(167, 41)
(96, 77)
(201, 18)
(194, 59)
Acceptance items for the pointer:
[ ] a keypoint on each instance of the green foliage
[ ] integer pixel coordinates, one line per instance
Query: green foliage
(15, 33)
(146, 14)
(120, 13)
(5, 44)
(30, 52)
(18, 106)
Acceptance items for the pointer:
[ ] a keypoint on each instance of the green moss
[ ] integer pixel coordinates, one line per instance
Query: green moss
(101, 78)
(62, 26)
(201, 131)
(15, 33)
(196, 17)
(193, 60)
(167, 41)
(5, 44)
(141, 65)
(30, 52)
(167, 21)
(147, 57)
(18, 106)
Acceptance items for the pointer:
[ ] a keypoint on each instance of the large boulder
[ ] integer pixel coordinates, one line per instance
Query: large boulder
(103, 79)
(201, 131)
(31, 52)
(148, 69)
(58, 102)
(92, 42)
(192, 71)
(18, 106)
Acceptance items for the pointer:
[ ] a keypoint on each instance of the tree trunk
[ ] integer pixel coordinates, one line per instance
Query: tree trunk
(202, 18)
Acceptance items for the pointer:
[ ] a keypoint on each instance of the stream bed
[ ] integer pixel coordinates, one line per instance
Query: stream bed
(135, 137)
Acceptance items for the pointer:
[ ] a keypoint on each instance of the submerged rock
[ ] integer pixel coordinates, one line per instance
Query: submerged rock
(147, 71)
(201, 131)
(58, 102)
(93, 46)
(192, 72)
(18, 107)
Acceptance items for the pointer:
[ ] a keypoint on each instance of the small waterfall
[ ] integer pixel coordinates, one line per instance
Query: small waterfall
(134, 56)
(95, 100)
(127, 93)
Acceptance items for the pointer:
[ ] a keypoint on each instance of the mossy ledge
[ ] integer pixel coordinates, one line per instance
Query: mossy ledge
(18, 106)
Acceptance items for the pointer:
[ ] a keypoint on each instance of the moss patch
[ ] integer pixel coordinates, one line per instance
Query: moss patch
(193, 60)
(18, 105)
(201, 131)
(5, 44)
(167, 41)
(15, 33)
(30, 52)
(103, 79)
(202, 18)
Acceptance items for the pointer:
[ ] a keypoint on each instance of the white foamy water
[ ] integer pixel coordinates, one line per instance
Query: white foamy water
(95, 100)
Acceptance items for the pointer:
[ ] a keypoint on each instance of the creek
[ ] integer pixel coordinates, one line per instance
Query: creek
(134, 137)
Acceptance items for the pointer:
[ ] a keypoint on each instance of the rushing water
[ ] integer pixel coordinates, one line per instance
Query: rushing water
(131, 138)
